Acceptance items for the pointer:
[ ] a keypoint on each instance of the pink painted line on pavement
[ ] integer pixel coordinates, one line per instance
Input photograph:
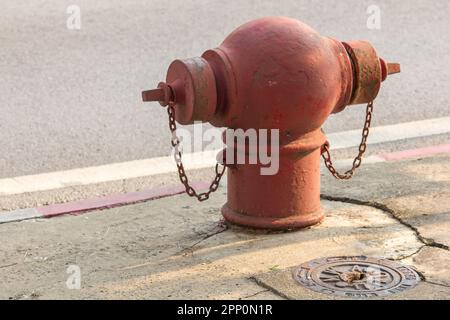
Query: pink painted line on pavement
(412, 153)
(83, 206)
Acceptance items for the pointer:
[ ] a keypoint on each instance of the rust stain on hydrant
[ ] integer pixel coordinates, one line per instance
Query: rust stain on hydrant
(274, 73)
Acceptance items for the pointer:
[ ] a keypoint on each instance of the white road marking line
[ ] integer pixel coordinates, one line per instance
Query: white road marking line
(199, 160)
(104, 173)
(400, 131)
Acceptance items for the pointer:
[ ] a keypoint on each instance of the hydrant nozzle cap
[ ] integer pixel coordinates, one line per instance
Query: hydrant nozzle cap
(368, 71)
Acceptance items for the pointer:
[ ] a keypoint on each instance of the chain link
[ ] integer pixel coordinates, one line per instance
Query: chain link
(175, 141)
(362, 148)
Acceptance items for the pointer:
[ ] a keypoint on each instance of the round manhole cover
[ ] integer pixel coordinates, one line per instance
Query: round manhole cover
(356, 277)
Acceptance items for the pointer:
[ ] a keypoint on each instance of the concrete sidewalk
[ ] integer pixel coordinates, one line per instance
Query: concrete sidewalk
(177, 248)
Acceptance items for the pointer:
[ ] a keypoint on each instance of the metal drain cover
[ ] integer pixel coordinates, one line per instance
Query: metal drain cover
(356, 277)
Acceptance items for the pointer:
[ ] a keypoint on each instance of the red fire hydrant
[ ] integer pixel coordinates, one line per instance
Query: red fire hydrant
(273, 73)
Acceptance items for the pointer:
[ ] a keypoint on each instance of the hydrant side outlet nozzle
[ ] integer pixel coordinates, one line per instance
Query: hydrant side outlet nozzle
(191, 86)
(274, 73)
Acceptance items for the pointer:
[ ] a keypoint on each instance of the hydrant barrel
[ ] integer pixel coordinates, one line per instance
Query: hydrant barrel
(274, 73)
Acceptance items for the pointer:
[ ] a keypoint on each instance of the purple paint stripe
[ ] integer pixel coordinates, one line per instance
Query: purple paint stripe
(113, 201)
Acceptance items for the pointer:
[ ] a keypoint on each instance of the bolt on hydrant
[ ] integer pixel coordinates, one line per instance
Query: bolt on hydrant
(273, 73)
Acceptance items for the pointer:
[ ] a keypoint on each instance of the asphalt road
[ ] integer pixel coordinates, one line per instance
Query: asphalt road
(71, 98)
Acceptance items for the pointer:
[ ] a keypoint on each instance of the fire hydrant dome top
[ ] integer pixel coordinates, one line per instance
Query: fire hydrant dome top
(287, 73)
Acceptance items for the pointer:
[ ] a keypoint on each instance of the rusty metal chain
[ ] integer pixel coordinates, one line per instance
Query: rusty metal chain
(175, 141)
(362, 148)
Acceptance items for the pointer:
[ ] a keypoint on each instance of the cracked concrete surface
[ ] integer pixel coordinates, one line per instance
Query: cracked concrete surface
(417, 194)
(434, 264)
(396, 215)
(175, 247)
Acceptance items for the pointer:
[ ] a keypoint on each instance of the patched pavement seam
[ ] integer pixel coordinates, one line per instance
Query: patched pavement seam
(254, 294)
(269, 288)
(436, 283)
(221, 226)
(410, 255)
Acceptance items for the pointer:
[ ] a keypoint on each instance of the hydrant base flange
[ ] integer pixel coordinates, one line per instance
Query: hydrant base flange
(286, 223)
